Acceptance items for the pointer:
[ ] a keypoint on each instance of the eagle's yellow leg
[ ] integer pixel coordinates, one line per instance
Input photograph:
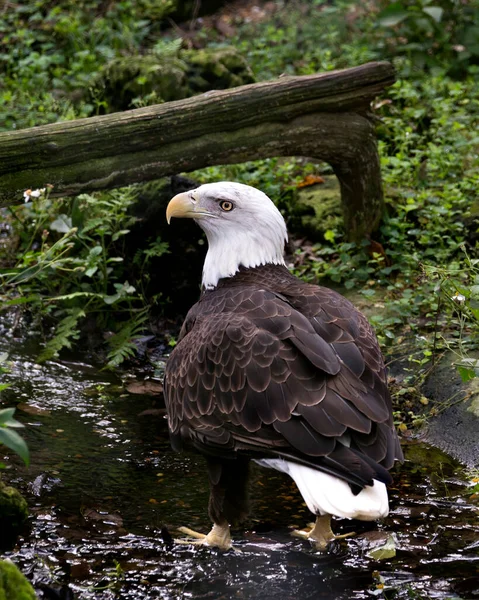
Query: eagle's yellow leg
(320, 534)
(218, 537)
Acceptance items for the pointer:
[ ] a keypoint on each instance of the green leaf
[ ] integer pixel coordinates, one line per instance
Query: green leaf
(95, 251)
(118, 234)
(91, 224)
(122, 343)
(91, 271)
(62, 224)
(111, 299)
(7, 420)
(12, 440)
(435, 12)
(77, 295)
(5, 414)
(329, 235)
(20, 300)
(466, 373)
(393, 15)
(65, 332)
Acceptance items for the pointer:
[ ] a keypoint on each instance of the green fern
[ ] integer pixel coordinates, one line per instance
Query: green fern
(167, 48)
(122, 344)
(65, 332)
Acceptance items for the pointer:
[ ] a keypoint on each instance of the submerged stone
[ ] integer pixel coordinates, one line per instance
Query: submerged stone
(382, 546)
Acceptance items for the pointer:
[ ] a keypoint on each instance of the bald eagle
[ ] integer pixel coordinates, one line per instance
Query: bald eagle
(272, 369)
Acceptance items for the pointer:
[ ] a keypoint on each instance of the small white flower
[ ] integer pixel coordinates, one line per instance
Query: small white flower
(29, 194)
(459, 298)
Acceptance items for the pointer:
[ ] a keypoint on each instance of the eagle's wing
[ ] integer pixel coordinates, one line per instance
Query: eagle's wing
(298, 377)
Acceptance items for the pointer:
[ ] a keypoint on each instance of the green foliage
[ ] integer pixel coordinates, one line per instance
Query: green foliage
(457, 288)
(431, 33)
(50, 53)
(122, 344)
(307, 38)
(65, 332)
(8, 436)
(440, 36)
(70, 268)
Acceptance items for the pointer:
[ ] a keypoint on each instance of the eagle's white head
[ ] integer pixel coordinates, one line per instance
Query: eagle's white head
(243, 227)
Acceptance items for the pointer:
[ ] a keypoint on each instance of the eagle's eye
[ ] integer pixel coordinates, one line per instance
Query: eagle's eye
(226, 205)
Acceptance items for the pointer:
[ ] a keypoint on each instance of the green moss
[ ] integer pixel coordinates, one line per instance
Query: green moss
(13, 514)
(318, 209)
(13, 584)
(167, 74)
(126, 80)
(216, 68)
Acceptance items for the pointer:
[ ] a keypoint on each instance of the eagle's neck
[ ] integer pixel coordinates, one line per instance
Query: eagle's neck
(246, 249)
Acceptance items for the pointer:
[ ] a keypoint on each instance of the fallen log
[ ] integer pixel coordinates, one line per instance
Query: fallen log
(324, 116)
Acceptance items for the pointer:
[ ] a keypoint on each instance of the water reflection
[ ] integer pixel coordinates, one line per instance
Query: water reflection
(103, 483)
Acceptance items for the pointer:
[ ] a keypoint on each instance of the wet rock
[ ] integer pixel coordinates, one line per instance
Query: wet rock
(13, 584)
(55, 592)
(454, 429)
(147, 386)
(43, 484)
(13, 514)
(31, 409)
(379, 545)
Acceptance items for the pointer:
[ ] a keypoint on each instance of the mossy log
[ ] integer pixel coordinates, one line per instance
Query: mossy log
(324, 116)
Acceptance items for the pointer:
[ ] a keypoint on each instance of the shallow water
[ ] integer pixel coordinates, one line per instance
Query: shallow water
(103, 483)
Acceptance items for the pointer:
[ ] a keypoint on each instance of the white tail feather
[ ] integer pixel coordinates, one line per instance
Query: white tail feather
(325, 494)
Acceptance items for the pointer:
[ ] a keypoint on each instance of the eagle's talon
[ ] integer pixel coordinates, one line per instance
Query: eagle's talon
(191, 533)
(219, 537)
(320, 534)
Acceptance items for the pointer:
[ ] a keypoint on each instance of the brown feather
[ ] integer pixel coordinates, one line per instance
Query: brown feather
(269, 365)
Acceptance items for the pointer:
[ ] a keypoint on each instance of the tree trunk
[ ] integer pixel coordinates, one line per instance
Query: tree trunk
(325, 116)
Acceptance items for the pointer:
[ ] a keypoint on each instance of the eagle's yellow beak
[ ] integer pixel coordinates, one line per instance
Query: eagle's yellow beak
(181, 206)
